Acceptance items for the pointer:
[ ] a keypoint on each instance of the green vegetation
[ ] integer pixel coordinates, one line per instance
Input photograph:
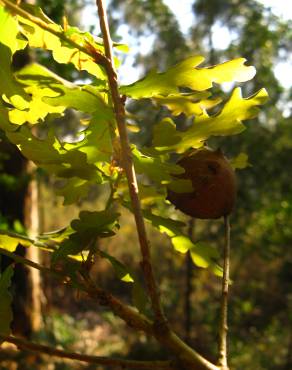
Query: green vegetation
(173, 111)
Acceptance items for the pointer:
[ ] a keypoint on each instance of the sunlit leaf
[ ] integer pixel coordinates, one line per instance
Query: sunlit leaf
(226, 122)
(240, 162)
(202, 255)
(185, 74)
(9, 32)
(74, 189)
(62, 51)
(165, 134)
(52, 94)
(189, 104)
(10, 90)
(122, 272)
(50, 155)
(8, 243)
(154, 167)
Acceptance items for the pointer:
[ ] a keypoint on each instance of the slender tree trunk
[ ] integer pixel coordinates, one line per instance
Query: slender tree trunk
(31, 221)
(188, 287)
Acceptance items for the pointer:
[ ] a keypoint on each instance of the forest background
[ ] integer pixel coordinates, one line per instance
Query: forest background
(261, 298)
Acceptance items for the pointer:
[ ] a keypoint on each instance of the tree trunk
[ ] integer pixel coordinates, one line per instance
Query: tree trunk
(31, 222)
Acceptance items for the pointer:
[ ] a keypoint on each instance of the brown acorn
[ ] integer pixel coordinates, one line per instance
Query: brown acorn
(213, 181)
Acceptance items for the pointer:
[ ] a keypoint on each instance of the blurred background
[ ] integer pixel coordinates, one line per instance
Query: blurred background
(161, 33)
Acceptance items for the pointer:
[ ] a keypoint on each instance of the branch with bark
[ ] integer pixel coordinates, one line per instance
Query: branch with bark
(159, 328)
(100, 360)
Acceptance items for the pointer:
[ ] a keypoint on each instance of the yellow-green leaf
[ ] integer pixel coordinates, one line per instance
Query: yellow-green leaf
(62, 51)
(185, 74)
(226, 122)
(189, 104)
(240, 162)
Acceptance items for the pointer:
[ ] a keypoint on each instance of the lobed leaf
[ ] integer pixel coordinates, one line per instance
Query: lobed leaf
(189, 104)
(203, 256)
(122, 272)
(155, 167)
(9, 43)
(52, 94)
(139, 297)
(62, 50)
(85, 230)
(186, 75)
(226, 122)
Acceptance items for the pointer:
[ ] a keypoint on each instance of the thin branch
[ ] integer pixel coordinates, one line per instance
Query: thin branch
(127, 313)
(27, 262)
(129, 169)
(120, 363)
(223, 329)
(134, 319)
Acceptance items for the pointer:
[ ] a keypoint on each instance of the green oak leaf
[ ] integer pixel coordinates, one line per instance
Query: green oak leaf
(186, 75)
(224, 123)
(62, 51)
(49, 154)
(5, 124)
(56, 236)
(52, 94)
(82, 163)
(122, 272)
(203, 256)
(240, 162)
(5, 301)
(8, 243)
(189, 104)
(9, 32)
(10, 89)
(96, 143)
(10, 240)
(165, 225)
(99, 223)
(154, 166)
(37, 110)
(74, 189)
(85, 230)
(139, 297)
(165, 134)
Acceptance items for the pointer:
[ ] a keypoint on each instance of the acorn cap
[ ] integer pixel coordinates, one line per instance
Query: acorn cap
(213, 181)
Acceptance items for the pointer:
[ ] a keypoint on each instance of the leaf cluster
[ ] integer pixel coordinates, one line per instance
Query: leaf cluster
(35, 94)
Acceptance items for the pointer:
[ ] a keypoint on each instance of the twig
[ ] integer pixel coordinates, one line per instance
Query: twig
(223, 329)
(126, 313)
(133, 318)
(27, 262)
(26, 240)
(129, 169)
(130, 316)
(120, 363)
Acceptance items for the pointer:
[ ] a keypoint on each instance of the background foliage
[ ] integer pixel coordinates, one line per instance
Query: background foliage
(261, 258)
